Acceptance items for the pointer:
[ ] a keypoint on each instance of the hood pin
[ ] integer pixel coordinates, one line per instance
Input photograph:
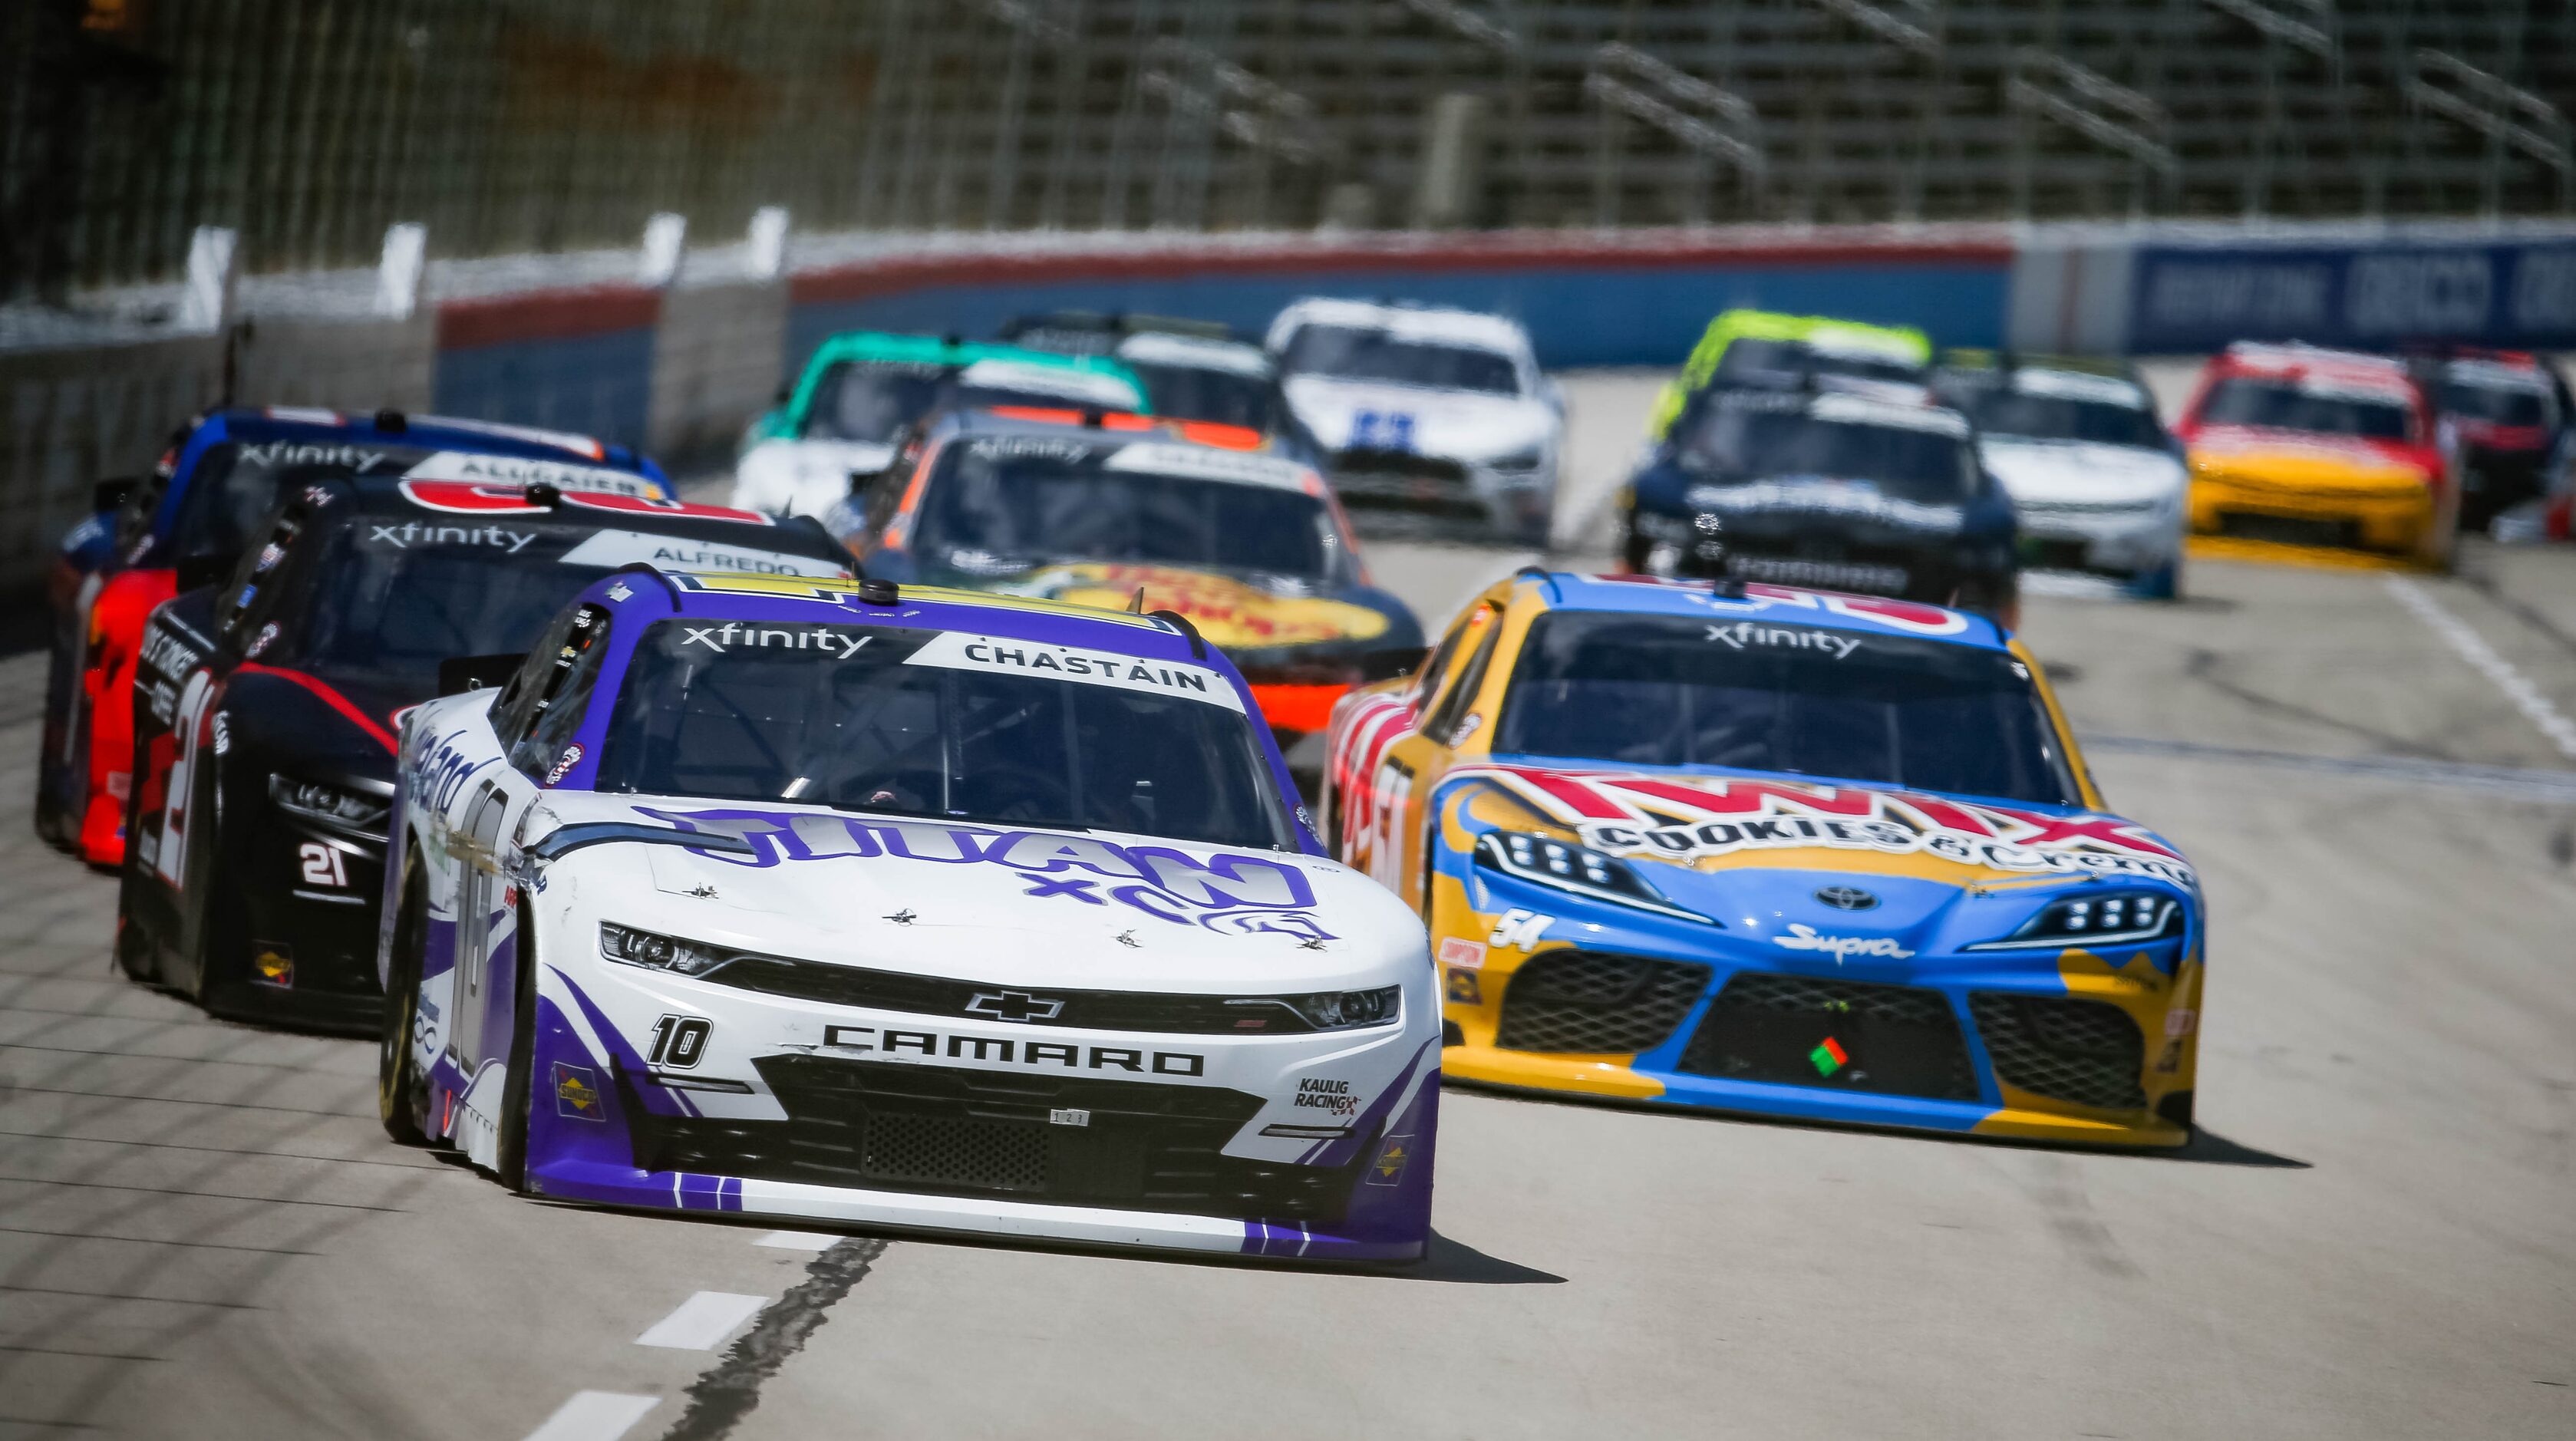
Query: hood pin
(902, 917)
(1128, 938)
(703, 892)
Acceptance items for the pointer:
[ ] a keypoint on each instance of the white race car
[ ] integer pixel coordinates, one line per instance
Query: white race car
(900, 908)
(1442, 411)
(2098, 483)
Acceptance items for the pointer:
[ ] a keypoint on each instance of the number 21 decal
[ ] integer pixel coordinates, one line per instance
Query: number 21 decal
(680, 1041)
(322, 865)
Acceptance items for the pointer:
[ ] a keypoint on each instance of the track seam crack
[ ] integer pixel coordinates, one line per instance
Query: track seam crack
(728, 1392)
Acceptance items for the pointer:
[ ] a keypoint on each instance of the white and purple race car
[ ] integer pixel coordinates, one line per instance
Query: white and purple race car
(902, 908)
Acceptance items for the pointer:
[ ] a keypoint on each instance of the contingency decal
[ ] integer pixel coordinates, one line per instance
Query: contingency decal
(1178, 680)
(1199, 462)
(1231, 893)
(1911, 617)
(1689, 818)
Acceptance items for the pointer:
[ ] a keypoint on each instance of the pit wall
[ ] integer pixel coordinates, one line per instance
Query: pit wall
(680, 370)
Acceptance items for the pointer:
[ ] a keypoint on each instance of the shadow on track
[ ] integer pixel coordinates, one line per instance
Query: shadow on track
(1459, 1263)
(2211, 1149)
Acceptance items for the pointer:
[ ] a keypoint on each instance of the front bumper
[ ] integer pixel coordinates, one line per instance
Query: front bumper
(831, 1113)
(1518, 503)
(2390, 516)
(2128, 542)
(1982, 1043)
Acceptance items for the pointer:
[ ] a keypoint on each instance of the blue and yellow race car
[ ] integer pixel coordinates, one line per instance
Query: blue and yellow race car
(1760, 849)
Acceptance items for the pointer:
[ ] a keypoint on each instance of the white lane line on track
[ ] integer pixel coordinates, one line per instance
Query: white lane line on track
(800, 1240)
(594, 1416)
(2482, 658)
(703, 1320)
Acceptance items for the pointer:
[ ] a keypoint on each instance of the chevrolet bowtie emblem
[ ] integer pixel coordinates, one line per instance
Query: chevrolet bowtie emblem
(1014, 1006)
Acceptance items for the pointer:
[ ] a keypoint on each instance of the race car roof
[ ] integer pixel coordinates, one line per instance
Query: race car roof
(1701, 600)
(1413, 322)
(1141, 443)
(2346, 369)
(471, 505)
(791, 601)
(437, 432)
(1823, 333)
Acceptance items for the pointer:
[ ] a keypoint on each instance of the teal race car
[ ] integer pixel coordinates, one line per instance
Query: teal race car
(846, 417)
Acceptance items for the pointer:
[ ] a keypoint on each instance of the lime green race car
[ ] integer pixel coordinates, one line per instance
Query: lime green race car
(847, 415)
(1763, 349)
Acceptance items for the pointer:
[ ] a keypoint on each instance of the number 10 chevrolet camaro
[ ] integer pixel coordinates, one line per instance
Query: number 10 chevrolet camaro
(901, 907)
(1761, 849)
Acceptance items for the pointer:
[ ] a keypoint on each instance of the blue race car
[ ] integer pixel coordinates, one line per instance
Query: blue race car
(1772, 850)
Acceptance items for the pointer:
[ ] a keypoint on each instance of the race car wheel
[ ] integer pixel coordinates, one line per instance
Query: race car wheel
(1632, 551)
(510, 1156)
(398, 1085)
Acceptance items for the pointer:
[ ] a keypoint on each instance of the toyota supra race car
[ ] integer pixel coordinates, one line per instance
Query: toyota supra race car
(1776, 851)
(906, 907)
(186, 524)
(264, 712)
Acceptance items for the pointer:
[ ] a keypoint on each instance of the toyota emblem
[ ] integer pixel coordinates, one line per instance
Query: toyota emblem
(1847, 898)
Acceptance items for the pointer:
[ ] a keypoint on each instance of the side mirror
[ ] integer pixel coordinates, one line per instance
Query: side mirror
(461, 673)
(196, 572)
(113, 494)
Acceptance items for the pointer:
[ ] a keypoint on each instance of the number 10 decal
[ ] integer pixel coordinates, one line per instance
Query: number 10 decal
(680, 1041)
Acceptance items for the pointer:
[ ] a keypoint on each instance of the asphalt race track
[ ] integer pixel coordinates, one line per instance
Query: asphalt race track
(204, 1235)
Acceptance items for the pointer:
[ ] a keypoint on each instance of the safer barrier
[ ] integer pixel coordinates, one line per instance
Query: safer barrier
(679, 367)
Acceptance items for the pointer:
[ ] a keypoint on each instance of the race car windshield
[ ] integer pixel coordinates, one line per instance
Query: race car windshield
(1190, 392)
(857, 400)
(1751, 360)
(1759, 695)
(394, 607)
(2012, 414)
(2498, 405)
(925, 723)
(1928, 466)
(997, 505)
(236, 485)
(2281, 405)
(1347, 352)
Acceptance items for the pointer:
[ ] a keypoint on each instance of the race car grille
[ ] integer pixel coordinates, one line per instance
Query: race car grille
(1171, 1014)
(1400, 480)
(2086, 1052)
(1595, 1002)
(1132, 1145)
(1838, 574)
(1848, 1035)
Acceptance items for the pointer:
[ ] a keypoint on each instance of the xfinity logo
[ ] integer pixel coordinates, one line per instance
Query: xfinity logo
(281, 453)
(1745, 633)
(930, 1045)
(405, 535)
(1805, 938)
(836, 644)
(1014, 1006)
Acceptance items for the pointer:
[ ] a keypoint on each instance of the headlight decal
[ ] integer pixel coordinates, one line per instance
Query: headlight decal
(338, 807)
(1565, 866)
(2118, 918)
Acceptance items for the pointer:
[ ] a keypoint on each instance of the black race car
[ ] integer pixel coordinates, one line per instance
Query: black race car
(266, 710)
(1834, 491)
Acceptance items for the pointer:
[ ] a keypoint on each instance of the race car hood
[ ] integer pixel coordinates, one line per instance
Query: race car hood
(2064, 472)
(2290, 457)
(347, 721)
(1780, 508)
(1715, 842)
(1466, 425)
(1236, 615)
(990, 902)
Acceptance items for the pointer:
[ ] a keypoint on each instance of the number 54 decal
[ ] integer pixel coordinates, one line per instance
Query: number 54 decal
(680, 1041)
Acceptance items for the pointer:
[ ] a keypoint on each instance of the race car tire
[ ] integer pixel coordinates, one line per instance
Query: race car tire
(398, 1085)
(510, 1152)
(1632, 550)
